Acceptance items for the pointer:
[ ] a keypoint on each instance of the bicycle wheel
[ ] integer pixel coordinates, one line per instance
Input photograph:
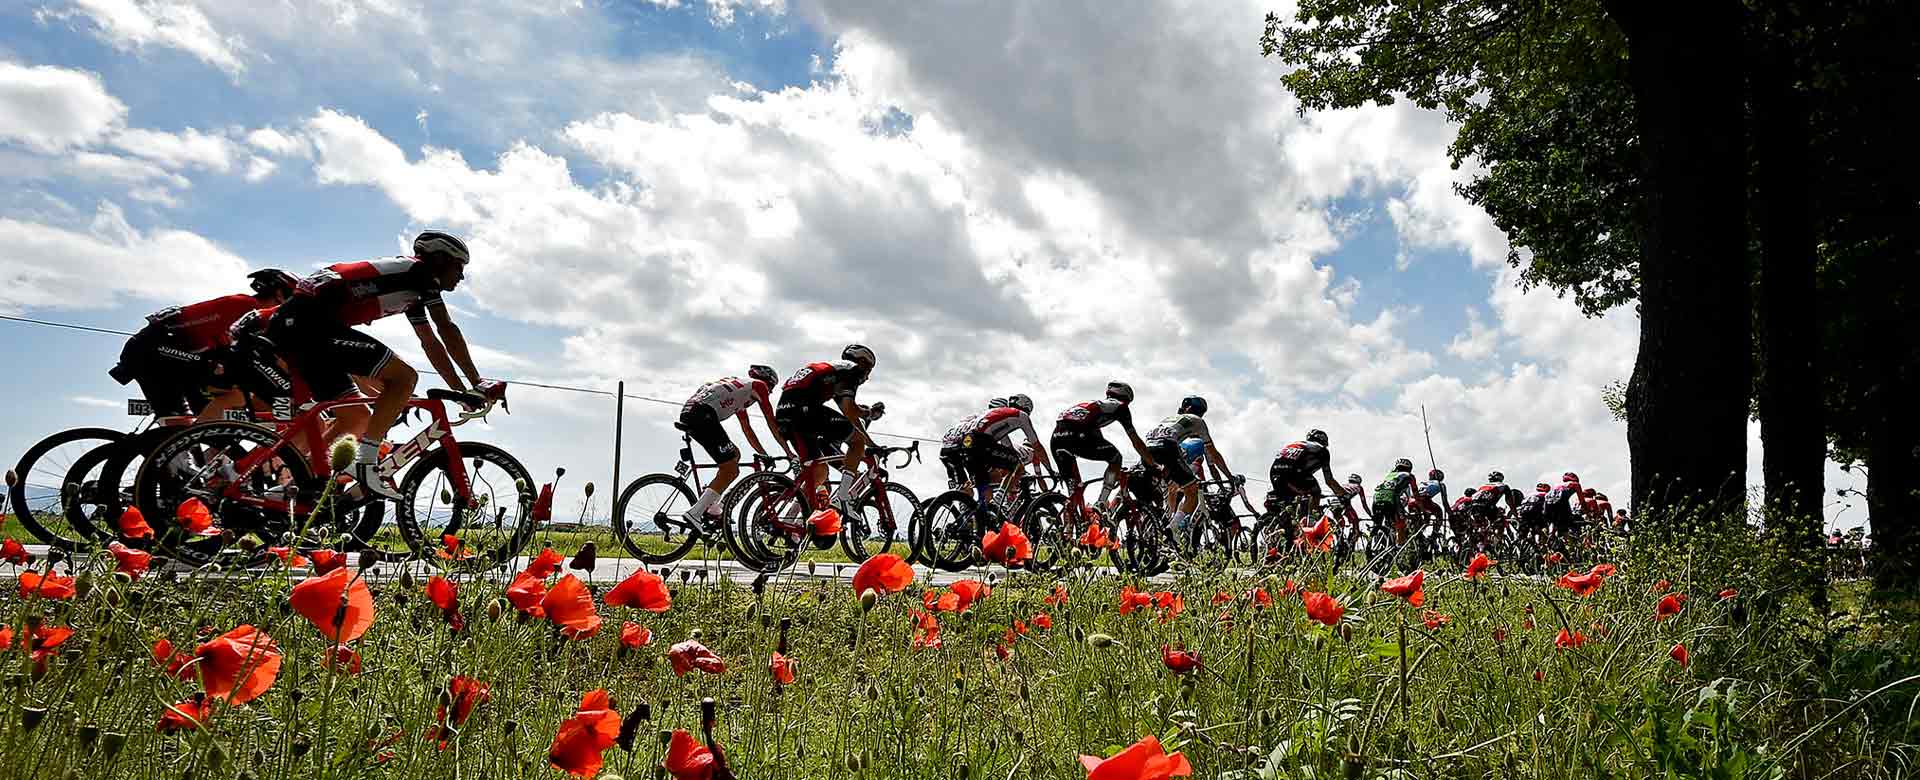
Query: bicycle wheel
(492, 521)
(948, 535)
(648, 519)
(196, 463)
(45, 484)
(1143, 539)
(879, 522)
(1045, 523)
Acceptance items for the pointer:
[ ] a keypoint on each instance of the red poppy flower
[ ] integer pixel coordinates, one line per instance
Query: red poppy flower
(1043, 621)
(1679, 653)
(337, 603)
(1096, 537)
(543, 505)
(1434, 620)
(1539, 676)
(162, 650)
(133, 524)
(1324, 608)
(1662, 587)
(1169, 603)
(1260, 598)
(239, 665)
(196, 518)
(127, 560)
(546, 563)
(634, 636)
(1131, 599)
(12, 551)
(325, 560)
(463, 693)
(1478, 567)
(442, 592)
(782, 668)
(292, 559)
(1180, 661)
(1553, 557)
(1603, 570)
(687, 759)
(6, 637)
(43, 642)
(1290, 588)
(1222, 597)
(569, 606)
(1668, 606)
(926, 631)
(342, 658)
(1411, 587)
(884, 573)
(690, 655)
(1581, 584)
(1728, 593)
(452, 549)
(1058, 597)
(582, 738)
(51, 586)
(1020, 627)
(1499, 633)
(641, 590)
(1319, 537)
(1008, 546)
(185, 715)
(970, 592)
(1565, 639)
(1143, 760)
(525, 593)
(941, 601)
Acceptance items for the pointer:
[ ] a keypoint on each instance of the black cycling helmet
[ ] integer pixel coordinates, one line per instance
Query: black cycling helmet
(1403, 465)
(272, 281)
(765, 374)
(433, 244)
(1021, 401)
(1469, 492)
(1193, 404)
(1496, 477)
(858, 354)
(1317, 436)
(1120, 391)
(1354, 479)
(1436, 475)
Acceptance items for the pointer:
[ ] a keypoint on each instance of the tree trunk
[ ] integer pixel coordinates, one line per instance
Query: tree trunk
(1688, 399)
(1792, 411)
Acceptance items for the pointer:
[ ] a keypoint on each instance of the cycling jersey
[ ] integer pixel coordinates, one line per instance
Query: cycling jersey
(818, 382)
(1302, 458)
(1178, 427)
(731, 396)
(203, 326)
(1463, 503)
(1393, 490)
(999, 424)
(172, 358)
(959, 431)
(1490, 495)
(1532, 512)
(804, 414)
(1094, 415)
(360, 292)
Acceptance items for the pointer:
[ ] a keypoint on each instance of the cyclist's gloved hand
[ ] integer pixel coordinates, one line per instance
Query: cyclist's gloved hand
(492, 389)
(876, 411)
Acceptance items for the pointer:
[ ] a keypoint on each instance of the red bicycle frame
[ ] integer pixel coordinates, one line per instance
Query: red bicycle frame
(310, 425)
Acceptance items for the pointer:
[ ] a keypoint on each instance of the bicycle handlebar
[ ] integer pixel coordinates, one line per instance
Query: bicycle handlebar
(882, 452)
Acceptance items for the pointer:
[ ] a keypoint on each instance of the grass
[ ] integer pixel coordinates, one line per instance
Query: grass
(1277, 695)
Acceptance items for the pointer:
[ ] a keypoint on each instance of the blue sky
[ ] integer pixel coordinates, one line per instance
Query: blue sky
(999, 198)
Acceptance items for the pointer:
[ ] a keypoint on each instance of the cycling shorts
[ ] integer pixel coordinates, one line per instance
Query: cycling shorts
(1288, 483)
(255, 371)
(327, 353)
(1172, 462)
(985, 454)
(701, 422)
(818, 429)
(1083, 442)
(954, 460)
(172, 378)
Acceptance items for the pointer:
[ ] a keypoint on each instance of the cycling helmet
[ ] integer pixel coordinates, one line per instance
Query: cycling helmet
(1120, 391)
(1403, 465)
(1496, 477)
(272, 281)
(998, 403)
(1354, 479)
(1193, 404)
(1021, 401)
(1469, 492)
(1587, 492)
(765, 374)
(433, 244)
(1317, 436)
(1192, 449)
(858, 354)
(1436, 475)
(1542, 487)
(1569, 477)
(1601, 496)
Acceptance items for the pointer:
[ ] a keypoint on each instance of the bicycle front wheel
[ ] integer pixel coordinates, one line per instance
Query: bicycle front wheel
(649, 519)
(1044, 521)
(948, 535)
(489, 522)
(760, 511)
(880, 521)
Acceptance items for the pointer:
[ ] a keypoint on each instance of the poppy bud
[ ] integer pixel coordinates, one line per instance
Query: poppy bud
(1346, 632)
(1355, 767)
(12, 478)
(113, 596)
(300, 747)
(853, 762)
(368, 558)
(406, 580)
(343, 452)
(88, 733)
(495, 609)
(869, 598)
(295, 695)
(589, 490)
(696, 634)
(586, 559)
(630, 727)
(111, 743)
(1101, 640)
(964, 772)
(259, 757)
(216, 758)
(766, 621)
(509, 727)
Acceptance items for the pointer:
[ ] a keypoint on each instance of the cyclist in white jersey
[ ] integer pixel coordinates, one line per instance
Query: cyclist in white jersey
(701, 417)
(988, 449)
(1163, 443)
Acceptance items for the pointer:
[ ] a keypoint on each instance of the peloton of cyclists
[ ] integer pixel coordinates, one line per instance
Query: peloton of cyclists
(701, 418)
(184, 351)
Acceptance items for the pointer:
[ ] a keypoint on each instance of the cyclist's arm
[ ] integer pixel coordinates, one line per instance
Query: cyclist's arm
(766, 412)
(1026, 424)
(1138, 445)
(746, 427)
(1333, 485)
(1219, 461)
(437, 355)
(852, 411)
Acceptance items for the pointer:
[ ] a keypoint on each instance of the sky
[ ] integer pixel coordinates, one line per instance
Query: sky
(997, 197)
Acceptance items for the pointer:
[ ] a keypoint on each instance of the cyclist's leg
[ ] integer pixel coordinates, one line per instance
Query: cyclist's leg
(703, 424)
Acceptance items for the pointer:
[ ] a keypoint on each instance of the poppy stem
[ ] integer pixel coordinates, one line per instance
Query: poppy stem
(1403, 658)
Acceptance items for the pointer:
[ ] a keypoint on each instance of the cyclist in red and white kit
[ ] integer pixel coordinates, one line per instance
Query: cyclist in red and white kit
(315, 331)
(988, 448)
(713, 403)
(818, 411)
(1076, 434)
(182, 351)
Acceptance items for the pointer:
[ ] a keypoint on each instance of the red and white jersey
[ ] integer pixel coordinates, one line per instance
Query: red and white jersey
(1001, 423)
(731, 395)
(360, 292)
(959, 431)
(1095, 414)
(203, 326)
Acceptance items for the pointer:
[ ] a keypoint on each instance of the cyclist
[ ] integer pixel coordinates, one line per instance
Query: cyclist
(316, 330)
(1531, 513)
(1485, 509)
(1566, 506)
(818, 412)
(1076, 434)
(1163, 443)
(989, 451)
(953, 456)
(701, 416)
(1294, 468)
(182, 351)
(1391, 495)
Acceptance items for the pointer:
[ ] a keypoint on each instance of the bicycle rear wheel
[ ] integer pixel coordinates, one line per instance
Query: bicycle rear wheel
(56, 475)
(1142, 542)
(649, 520)
(492, 521)
(196, 462)
(757, 508)
(948, 535)
(1044, 519)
